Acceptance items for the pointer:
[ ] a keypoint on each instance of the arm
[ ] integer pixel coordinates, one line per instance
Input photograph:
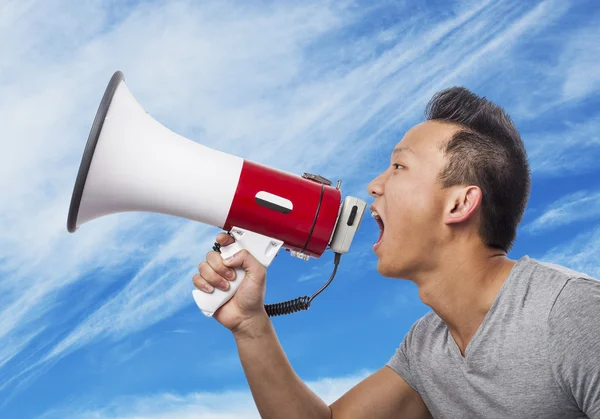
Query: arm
(280, 393)
(382, 395)
(277, 390)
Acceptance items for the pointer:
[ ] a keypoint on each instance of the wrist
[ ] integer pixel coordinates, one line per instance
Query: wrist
(252, 328)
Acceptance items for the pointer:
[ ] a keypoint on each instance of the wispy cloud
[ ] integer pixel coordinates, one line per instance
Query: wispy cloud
(297, 86)
(574, 149)
(140, 303)
(314, 273)
(581, 54)
(580, 253)
(579, 206)
(560, 82)
(226, 405)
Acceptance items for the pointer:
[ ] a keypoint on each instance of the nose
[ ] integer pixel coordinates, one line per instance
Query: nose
(375, 187)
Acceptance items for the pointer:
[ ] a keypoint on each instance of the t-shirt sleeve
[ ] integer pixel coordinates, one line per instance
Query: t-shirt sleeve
(400, 361)
(574, 332)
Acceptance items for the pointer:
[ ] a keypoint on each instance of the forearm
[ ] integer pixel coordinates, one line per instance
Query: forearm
(276, 388)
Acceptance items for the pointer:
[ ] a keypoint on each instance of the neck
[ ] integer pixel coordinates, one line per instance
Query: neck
(463, 286)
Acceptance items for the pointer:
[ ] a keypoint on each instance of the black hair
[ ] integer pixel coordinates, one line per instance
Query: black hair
(487, 152)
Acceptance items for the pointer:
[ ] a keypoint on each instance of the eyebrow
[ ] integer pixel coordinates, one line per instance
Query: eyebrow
(400, 149)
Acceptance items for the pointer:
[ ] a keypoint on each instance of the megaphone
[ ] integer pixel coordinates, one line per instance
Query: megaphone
(133, 163)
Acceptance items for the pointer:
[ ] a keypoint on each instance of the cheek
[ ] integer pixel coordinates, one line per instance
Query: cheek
(416, 211)
(412, 201)
(427, 198)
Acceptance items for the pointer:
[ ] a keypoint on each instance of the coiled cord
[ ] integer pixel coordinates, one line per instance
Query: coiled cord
(288, 307)
(297, 304)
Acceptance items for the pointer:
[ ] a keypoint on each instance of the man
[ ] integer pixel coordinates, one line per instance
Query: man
(505, 338)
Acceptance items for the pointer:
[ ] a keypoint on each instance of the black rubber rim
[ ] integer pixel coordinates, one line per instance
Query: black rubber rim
(90, 147)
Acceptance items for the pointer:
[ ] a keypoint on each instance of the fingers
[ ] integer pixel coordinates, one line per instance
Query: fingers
(215, 261)
(201, 283)
(208, 279)
(212, 272)
(224, 239)
(244, 259)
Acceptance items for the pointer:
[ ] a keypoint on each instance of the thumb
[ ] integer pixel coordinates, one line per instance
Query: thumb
(244, 259)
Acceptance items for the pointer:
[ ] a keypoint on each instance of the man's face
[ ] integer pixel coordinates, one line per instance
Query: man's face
(411, 202)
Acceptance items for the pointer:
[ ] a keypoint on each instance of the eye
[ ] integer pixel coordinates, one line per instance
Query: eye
(396, 166)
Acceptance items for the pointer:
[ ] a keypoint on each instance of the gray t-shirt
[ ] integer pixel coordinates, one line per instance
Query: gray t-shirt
(536, 354)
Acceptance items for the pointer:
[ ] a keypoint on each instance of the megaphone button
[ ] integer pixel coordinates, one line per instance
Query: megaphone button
(352, 216)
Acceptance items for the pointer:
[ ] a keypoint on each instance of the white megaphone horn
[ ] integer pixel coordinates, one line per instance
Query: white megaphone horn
(133, 163)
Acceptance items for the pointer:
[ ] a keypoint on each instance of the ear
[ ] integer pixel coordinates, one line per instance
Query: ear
(462, 204)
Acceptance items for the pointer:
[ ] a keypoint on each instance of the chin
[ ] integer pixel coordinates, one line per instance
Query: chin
(397, 270)
(387, 270)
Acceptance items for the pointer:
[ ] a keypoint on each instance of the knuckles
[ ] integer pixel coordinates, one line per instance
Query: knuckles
(215, 258)
(244, 253)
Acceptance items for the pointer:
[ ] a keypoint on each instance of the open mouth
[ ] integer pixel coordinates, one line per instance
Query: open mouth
(379, 223)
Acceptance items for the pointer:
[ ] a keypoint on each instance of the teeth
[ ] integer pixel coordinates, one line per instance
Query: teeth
(374, 214)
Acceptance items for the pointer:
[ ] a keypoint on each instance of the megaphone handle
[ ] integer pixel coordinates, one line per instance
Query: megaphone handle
(209, 303)
(263, 248)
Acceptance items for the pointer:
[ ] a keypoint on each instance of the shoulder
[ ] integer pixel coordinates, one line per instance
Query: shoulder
(544, 282)
(412, 349)
(563, 270)
(578, 300)
(577, 291)
(419, 331)
(428, 320)
(426, 324)
(573, 341)
(549, 271)
(573, 318)
(572, 292)
(425, 334)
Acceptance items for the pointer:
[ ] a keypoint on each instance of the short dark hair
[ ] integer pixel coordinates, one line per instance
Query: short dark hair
(487, 152)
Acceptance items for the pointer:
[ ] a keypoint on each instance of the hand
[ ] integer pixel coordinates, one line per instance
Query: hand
(247, 303)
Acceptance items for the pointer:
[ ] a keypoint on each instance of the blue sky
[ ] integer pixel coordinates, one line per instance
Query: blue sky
(101, 324)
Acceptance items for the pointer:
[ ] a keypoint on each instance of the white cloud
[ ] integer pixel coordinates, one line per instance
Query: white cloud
(580, 253)
(572, 150)
(557, 83)
(251, 81)
(316, 272)
(233, 404)
(581, 54)
(578, 206)
(167, 48)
